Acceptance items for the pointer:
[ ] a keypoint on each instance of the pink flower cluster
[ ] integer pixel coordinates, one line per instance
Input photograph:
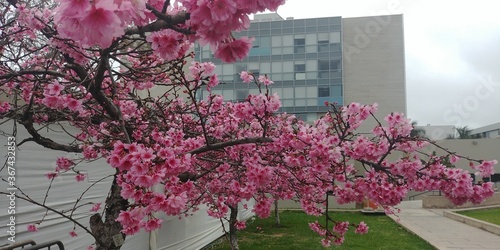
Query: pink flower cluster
(89, 22)
(169, 44)
(213, 21)
(4, 107)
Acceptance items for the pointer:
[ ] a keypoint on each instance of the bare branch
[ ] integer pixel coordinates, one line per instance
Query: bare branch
(221, 145)
(46, 142)
(32, 72)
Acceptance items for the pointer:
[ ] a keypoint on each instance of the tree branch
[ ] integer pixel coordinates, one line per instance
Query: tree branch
(158, 25)
(221, 145)
(46, 142)
(32, 72)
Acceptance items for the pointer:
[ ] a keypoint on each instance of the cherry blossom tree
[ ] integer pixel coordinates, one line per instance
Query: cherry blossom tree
(96, 65)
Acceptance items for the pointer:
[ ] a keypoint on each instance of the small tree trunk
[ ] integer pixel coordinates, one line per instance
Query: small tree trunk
(276, 214)
(233, 238)
(105, 230)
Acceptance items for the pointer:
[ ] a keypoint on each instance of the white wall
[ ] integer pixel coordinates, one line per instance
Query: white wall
(374, 63)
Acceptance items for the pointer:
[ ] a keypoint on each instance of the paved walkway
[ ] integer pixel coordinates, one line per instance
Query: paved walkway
(442, 232)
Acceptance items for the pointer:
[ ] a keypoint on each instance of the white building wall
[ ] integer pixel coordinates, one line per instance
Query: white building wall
(374, 63)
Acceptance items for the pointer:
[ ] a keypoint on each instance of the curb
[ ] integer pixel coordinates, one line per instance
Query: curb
(486, 226)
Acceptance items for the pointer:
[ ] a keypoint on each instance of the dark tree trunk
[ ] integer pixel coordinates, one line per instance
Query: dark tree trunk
(105, 230)
(276, 214)
(233, 238)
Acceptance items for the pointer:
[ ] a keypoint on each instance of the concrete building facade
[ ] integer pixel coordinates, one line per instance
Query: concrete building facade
(489, 131)
(317, 60)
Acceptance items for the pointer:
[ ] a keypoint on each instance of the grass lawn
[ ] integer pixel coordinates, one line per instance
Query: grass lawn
(294, 234)
(489, 215)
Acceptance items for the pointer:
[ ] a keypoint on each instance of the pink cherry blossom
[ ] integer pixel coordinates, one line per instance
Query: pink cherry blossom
(80, 177)
(63, 164)
(73, 234)
(96, 207)
(246, 77)
(32, 228)
(234, 50)
(362, 228)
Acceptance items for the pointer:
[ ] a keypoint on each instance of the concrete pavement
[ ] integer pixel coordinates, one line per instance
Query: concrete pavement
(442, 232)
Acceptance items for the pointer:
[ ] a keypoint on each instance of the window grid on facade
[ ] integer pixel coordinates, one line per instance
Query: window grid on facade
(302, 56)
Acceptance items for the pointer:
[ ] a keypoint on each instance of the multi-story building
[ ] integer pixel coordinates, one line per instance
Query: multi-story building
(318, 60)
(489, 131)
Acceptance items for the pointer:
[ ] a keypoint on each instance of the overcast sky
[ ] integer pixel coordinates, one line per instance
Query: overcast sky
(452, 54)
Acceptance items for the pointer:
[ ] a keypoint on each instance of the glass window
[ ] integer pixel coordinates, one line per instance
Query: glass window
(288, 93)
(335, 37)
(264, 25)
(311, 48)
(287, 31)
(299, 76)
(299, 30)
(299, 67)
(265, 42)
(276, 51)
(323, 46)
(276, 41)
(335, 64)
(323, 91)
(256, 42)
(311, 65)
(312, 102)
(277, 77)
(324, 74)
(218, 70)
(299, 23)
(311, 39)
(337, 90)
(278, 91)
(311, 75)
(288, 40)
(241, 94)
(276, 67)
(312, 92)
(329, 64)
(311, 22)
(311, 116)
(300, 92)
(323, 64)
(288, 66)
(287, 24)
(253, 66)
(228, 94)
(299, 49)
(323, 37)
(287, 76)
(265, 68)
(300, 102)
(287, 50)
(287, 103)
(253, 92)
(323, 28)
(227, 69)
(240, 67)
(299, 41)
